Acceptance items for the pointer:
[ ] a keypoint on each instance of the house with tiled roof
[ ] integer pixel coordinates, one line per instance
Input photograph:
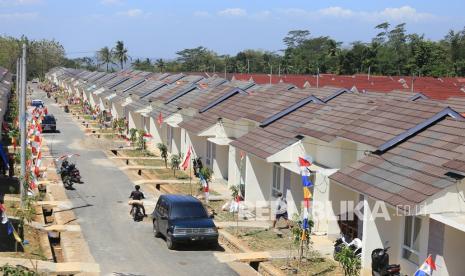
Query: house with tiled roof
(397, 157)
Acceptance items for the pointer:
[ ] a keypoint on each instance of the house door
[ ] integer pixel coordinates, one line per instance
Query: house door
(211, 152)
(277, 185)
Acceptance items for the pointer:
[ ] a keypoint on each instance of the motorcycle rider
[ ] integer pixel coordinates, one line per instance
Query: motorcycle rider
(138, 195)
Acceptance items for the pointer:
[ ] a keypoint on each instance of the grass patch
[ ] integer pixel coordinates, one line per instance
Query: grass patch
(311, 266)
(137, 153)
(167, 174)
(149, 162)
(261, 239)
(216, 208)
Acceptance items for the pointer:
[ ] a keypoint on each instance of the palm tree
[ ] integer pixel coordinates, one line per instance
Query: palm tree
(120, 53)
(160, 64)
(105, 56)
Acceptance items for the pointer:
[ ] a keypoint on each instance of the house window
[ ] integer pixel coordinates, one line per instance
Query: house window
(210, 154)
(411, 246)
(277, 187)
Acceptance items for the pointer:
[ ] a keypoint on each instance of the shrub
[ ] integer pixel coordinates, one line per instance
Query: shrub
(163, 153)
(175, 162)
(350, 263)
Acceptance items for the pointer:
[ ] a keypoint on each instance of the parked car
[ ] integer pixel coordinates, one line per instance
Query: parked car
(37, 103)
(49, 123)
(35, 81)
(183, 219)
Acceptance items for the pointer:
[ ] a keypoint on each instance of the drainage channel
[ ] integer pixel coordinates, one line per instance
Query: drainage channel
(54, 238)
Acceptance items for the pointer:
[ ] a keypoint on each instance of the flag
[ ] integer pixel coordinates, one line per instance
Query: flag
(10, 229)
(3, 156)
(187, 158)
(160, 119)
(304, 162)
(426, 269)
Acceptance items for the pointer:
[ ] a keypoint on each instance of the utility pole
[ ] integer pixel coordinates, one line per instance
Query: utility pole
(22, 124)
(413, 80)
(248, 67)
(318, 77)
(271, 72)
(369, 71)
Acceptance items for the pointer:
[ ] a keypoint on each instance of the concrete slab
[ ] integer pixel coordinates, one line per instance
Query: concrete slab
(63, 228)
(135, 158)
(136, 167)
(160, 181)
(52, 268)
(246, 257)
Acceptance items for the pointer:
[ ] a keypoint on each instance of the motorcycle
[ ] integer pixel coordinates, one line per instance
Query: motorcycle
(136, 211)
(69, 172)
(355, 245)
(380, 263)
(197, 166)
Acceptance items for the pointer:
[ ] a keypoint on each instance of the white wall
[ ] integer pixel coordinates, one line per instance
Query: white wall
(454, 244)
(176, 141)
(258, 181)
(220, 162)
(377, 231)
(137, 120)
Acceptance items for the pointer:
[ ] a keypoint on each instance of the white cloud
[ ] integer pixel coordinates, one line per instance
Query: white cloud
(233, 12)
(19, 16)
(201, 14)
(336, 11)
(131, 13)
(401, 14)
(405, 13)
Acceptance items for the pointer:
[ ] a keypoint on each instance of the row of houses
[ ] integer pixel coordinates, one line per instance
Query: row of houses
(5, 90)
(435, 88)
(387, 167)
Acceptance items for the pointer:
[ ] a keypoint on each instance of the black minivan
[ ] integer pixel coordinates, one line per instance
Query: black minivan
(49, 123)
(183, 219)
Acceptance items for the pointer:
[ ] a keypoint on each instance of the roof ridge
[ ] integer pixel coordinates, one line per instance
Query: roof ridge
(222, 98)
(290, 109)
(419, 127)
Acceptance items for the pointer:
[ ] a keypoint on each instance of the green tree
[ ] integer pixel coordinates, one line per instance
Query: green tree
(105, 56)
(163, 153)
(175, 163)
(120, 53)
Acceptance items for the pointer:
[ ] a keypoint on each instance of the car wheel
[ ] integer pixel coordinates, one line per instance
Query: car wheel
(169, 242)
(156, 232)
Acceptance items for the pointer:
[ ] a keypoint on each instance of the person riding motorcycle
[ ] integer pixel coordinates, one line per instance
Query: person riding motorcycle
(137, 195)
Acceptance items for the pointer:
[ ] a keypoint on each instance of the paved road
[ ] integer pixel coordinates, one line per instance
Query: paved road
(120, 245)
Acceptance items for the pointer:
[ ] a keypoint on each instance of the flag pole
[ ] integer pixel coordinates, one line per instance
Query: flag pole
(190, 174)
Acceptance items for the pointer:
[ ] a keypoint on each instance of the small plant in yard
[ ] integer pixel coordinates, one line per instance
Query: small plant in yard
(175, 162)
(140, 139)
(9, 270)
(133, 135)
(350, 263)
(234, 191)
(163, 153)
(297, 230)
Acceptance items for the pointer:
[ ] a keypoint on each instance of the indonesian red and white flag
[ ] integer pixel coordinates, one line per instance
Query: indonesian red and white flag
(160, 119)
(187, 158)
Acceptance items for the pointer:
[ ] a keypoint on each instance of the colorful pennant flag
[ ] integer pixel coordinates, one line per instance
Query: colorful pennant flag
(187, 158)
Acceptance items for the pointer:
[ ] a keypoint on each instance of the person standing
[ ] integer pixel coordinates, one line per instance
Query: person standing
(281, 210)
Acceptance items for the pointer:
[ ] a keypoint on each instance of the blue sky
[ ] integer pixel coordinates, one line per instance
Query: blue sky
(157, 28)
